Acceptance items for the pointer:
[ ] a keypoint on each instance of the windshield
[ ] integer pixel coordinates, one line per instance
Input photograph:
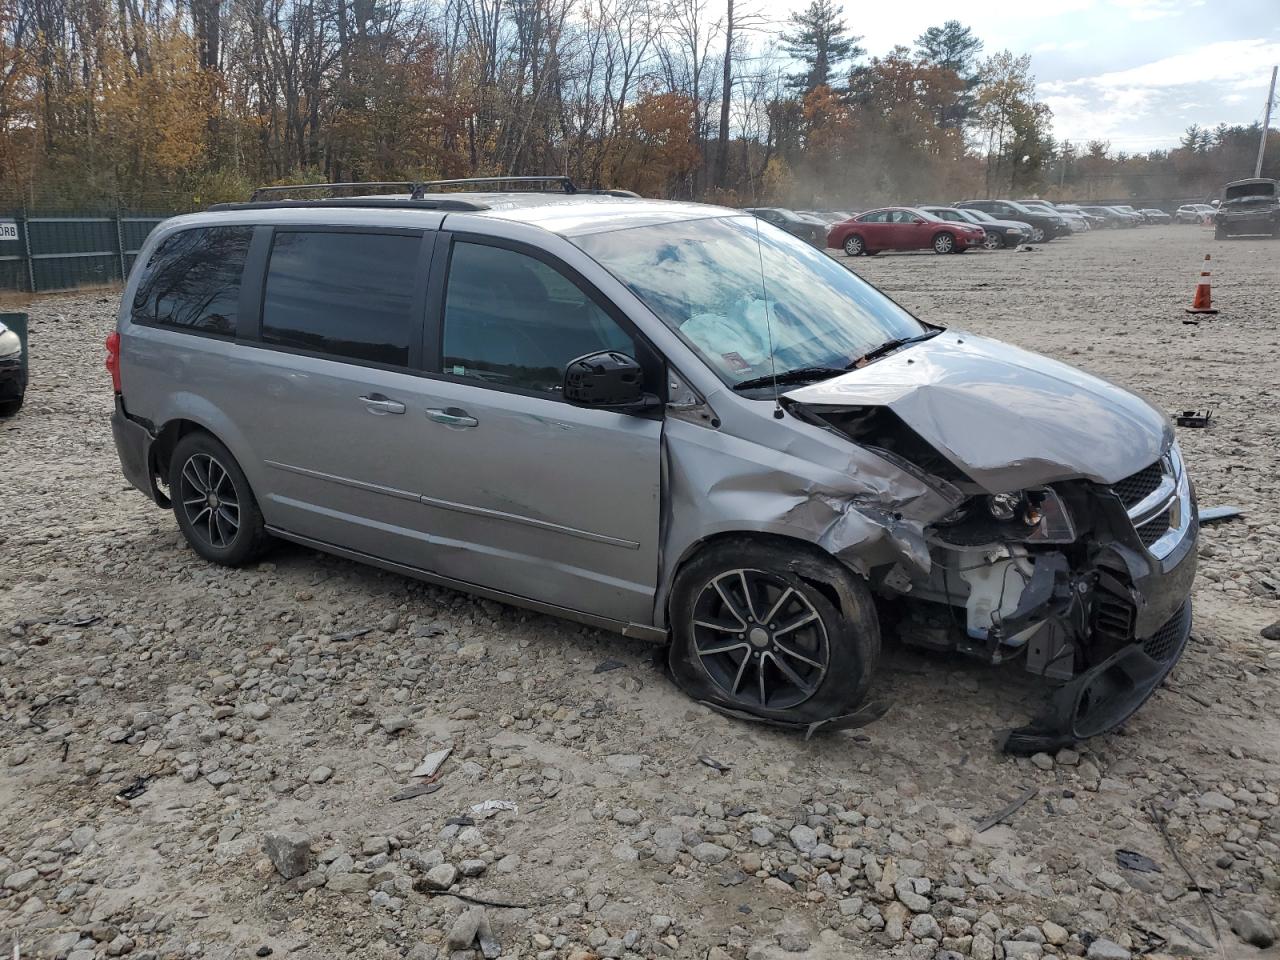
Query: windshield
(703, 279)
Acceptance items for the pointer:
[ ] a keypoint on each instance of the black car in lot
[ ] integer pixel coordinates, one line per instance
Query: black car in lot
(1249, 207)
(13, 363)
(809, 229)
(999, 233)
(1044, 226)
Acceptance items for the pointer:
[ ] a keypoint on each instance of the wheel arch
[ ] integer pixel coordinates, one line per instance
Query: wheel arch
(812, 563)
(188, 414)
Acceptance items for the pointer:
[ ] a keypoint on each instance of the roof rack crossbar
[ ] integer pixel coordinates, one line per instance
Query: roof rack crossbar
(565, 184)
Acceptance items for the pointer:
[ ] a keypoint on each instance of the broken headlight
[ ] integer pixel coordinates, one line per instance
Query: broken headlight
(1037, 515)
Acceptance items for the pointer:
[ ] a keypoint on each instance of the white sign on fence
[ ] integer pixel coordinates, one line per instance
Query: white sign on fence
(8, 230)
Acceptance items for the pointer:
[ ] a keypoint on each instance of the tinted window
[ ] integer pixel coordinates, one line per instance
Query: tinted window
(512, 320)
(345, 294)
(193, 281)
(872, 218)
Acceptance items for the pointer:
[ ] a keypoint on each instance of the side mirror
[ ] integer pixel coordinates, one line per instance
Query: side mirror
(607, 380)
(916, 220)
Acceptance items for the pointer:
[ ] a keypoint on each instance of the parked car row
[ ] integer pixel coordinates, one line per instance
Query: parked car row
(954, 228)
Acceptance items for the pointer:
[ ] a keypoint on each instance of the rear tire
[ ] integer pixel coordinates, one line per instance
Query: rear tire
(10, 408)
(773, 630)
(944, 242)
(854, 246)
(213, 503)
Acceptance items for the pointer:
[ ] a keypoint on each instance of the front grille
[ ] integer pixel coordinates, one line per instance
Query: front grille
(1133, 489)
(1154, 529)
(1163, 644)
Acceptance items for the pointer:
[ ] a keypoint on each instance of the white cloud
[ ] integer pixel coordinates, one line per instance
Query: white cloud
(1153, 9)
(1128, 106)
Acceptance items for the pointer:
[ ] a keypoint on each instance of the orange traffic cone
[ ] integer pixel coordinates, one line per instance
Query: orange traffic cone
(1203, 302)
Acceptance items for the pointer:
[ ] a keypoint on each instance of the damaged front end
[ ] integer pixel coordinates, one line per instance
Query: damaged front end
(1081, 565)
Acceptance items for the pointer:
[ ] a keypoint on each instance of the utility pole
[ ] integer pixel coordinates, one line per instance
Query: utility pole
(1266, 124)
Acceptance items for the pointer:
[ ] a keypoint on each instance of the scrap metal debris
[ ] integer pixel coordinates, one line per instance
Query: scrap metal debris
(349, 635)
(714, 764)
(1219, 514)
(432, 762)
(604, 666)
(1007, 811)
(418, 790)
(1194, 418)
(134, 790)
(1159, 820)
(1132, 860)
(488, 808)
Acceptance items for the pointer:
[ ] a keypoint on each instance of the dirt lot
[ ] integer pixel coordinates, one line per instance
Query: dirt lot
(293, 699)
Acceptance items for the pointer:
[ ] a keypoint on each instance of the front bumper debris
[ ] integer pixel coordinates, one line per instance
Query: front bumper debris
(1103, 697)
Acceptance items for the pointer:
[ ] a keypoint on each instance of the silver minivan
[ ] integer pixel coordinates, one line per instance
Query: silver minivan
(665, 419)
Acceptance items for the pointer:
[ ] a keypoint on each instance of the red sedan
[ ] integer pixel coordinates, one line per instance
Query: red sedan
(902, 228)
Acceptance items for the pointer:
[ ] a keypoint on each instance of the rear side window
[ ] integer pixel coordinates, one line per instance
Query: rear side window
(192, 281)
(514, 321)
(347, 295)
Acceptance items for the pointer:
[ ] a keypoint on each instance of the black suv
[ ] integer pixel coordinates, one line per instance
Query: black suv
(1044, 226)
(1249, 207)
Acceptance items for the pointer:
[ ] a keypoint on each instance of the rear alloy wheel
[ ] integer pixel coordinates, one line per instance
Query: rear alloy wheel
(993, 241)
(755, 628)
(944, 243)
(853, 245)
(1037, 235)
(212, 501)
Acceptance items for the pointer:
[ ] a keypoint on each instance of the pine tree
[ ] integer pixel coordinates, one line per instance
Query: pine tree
(819, 39)
(953, 47)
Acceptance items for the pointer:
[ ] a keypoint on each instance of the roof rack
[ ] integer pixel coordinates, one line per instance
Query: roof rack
(562, 184)
(393, 203)
(261, 193)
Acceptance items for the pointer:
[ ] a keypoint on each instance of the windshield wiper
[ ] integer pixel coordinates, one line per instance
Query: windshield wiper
(797, 375)
(888, 347)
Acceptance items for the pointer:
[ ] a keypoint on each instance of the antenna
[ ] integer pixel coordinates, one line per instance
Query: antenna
(768, 324)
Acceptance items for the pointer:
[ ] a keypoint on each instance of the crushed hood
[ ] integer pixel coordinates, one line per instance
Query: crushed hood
(1005, 416)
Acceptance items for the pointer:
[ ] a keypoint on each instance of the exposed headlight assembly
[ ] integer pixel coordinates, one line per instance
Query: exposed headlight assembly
(1036, 515)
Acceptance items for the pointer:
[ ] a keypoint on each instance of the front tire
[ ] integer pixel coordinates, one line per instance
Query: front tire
(993, 241)
(10, 408)
(1037, 235)
(944, 243)
(854, 246)
(213, 503)
(773, 630)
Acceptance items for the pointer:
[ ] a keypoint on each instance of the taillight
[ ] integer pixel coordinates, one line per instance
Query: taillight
(113, 359)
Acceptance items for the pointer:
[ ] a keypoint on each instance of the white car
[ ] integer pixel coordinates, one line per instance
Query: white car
(1194, 213)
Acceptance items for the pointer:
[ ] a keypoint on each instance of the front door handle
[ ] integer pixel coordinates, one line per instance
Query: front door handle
(379, 405)
(452, 417)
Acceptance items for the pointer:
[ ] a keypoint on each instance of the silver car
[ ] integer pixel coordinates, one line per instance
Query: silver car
(669, 420)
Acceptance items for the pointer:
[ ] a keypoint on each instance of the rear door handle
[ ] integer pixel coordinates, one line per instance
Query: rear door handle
(452, 417)
(379, 405)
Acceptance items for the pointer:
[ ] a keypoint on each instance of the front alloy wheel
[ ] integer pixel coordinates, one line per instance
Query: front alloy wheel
(992, 241)
(944, 243)
(853, 246)
(759, 640)
(1037, 235)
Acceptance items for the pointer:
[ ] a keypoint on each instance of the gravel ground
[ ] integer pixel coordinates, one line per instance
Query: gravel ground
(267, 717)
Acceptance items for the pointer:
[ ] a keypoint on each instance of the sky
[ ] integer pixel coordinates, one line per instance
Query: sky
(1134, 72)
